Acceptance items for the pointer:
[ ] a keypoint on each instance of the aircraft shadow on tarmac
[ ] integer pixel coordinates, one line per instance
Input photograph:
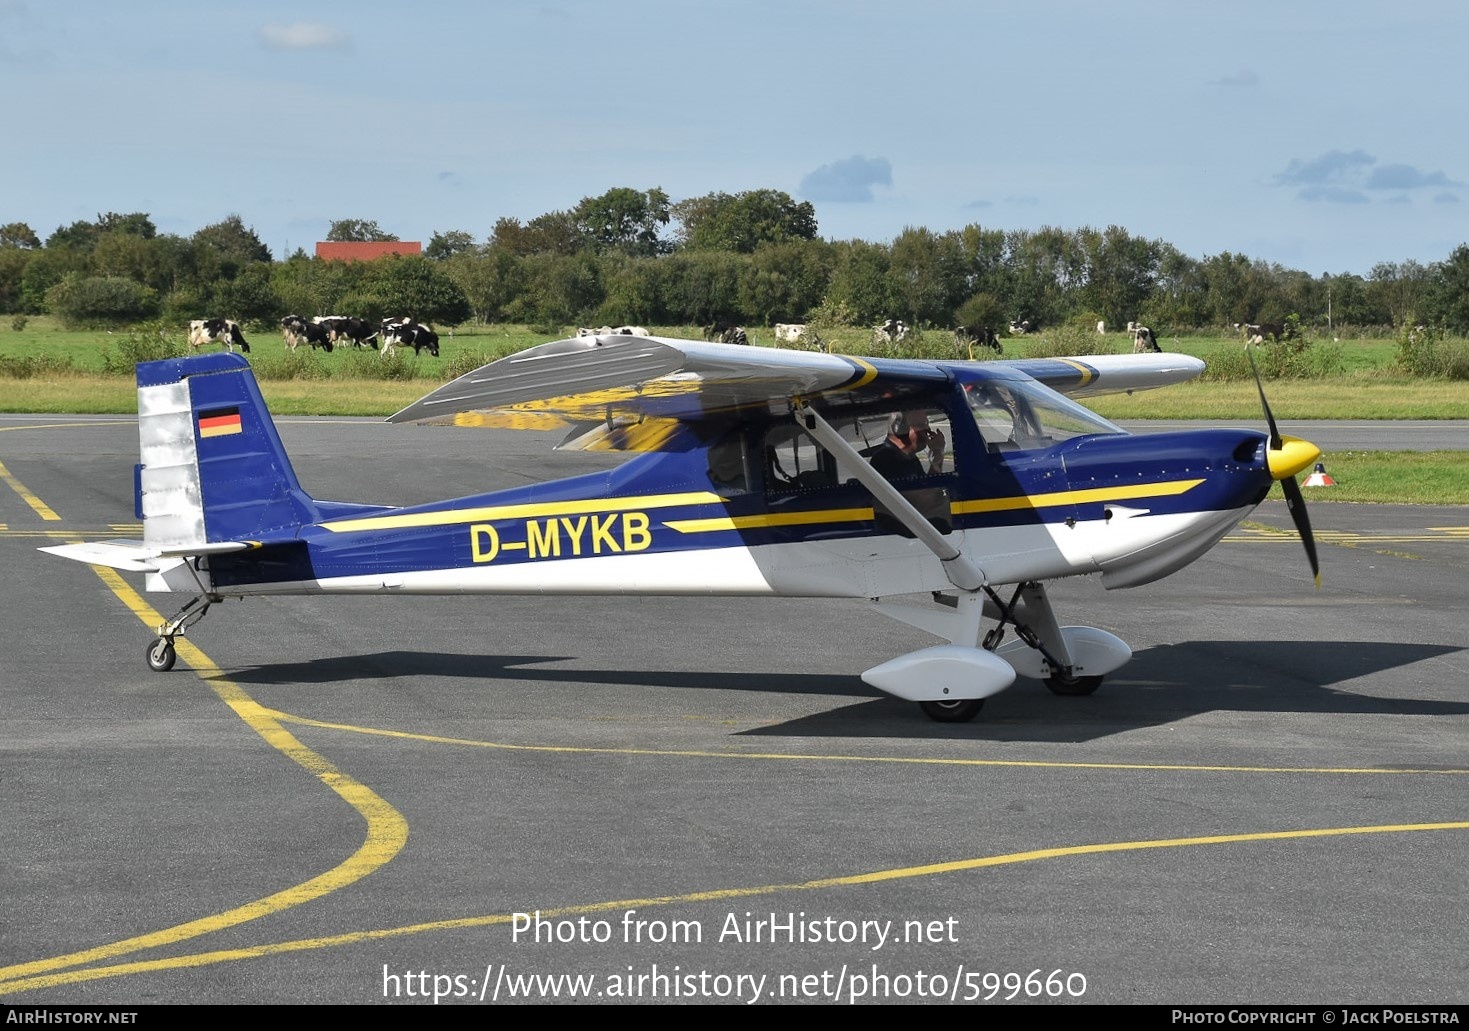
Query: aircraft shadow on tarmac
(1159, 686)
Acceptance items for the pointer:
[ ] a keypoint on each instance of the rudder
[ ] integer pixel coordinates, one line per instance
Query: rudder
(212, 464)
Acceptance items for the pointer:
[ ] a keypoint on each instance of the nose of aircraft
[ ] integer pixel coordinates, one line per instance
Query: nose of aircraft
(1293, 455)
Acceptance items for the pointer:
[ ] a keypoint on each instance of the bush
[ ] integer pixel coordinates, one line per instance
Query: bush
(922, 343)
(394, 365)
(15, 366)
(1068, 341)
(146, 342)
(100, 301)
(830, 315)
(1289, 359)
(467, 361)
(1418, 352)
(298, 364)
(18, 322)
(1454, 363)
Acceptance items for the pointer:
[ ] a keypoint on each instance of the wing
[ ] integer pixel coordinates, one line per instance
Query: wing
(1093, 374)
(655, 383)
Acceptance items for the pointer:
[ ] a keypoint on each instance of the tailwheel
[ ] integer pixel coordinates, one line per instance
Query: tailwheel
(1064, 684)
(961, 710)
(161, 654)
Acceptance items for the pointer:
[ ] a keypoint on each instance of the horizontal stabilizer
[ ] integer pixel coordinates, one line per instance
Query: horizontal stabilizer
(138, 556)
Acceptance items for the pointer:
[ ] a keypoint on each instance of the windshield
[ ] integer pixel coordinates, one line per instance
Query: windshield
(1020, 414)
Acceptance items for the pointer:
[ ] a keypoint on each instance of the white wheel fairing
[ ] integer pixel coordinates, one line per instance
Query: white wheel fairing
(1094, 652)
(943, 673)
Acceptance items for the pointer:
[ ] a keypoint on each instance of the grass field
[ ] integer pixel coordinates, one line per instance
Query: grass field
(67, 374)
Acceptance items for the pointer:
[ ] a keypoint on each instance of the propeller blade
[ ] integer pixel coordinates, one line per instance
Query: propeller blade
(1295, 503)
(1275, 442)
(1283, 465)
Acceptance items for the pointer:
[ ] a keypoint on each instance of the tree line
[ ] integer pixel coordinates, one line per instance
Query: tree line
(752, 258)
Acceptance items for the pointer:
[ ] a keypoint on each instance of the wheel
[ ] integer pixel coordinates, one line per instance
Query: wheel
(961, 710)
(1073, 686)
(161, 655)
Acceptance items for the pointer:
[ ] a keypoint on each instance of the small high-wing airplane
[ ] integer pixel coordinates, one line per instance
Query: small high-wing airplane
(945, 492)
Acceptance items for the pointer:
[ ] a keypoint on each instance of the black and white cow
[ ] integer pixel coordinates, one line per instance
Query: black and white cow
(1261, 332)
(968, 339)
(298, 331)
(407, 333)
(790, 332)
(217, 331)
(1020, 327)
(725, 333)
(1144, 342)
(358, 332)
(891, 331)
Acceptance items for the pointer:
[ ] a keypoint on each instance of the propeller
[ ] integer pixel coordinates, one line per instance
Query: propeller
(1285, 457)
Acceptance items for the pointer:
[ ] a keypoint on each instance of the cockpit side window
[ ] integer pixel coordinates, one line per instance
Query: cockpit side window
(912, 442)
(728, 470)
(1020, 415)
(1004, 417)
(794, 461)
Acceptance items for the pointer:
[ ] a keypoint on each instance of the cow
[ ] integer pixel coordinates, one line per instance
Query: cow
(409, 334)
(731, 335)
(1144, 342)
(724, 333)
(1101, 325)
(630, 331)
(967, 339)
(1020, 327)
(217, 331)
(789, 332)
(891, 331)
(348, 327)
(297, 331)
(1263, 332)
(605, 331)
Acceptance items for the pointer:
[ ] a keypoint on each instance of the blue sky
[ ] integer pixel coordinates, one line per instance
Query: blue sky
(1323, 136)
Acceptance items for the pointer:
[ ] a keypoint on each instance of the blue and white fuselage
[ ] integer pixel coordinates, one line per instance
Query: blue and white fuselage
(758, 478)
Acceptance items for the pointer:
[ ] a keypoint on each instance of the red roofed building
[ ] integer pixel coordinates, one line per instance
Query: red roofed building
(358, 250)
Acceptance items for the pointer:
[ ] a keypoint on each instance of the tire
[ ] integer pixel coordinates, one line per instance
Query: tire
(1073, 686)
(960, 711)
(161, 655)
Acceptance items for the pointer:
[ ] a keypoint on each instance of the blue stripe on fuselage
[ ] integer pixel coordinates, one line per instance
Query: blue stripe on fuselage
(1207, 470)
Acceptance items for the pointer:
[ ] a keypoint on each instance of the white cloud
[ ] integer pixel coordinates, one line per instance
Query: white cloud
(850, 179)
(1339, 177)
(1244, 78)
(302, 35)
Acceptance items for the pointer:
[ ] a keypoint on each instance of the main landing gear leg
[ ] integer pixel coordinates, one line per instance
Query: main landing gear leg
(1043, 633)
(161, 654)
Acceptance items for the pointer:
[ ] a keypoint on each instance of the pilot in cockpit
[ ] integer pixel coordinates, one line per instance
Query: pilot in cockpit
(909, 436)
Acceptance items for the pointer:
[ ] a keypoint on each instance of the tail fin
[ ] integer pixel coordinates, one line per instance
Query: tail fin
(213, 468)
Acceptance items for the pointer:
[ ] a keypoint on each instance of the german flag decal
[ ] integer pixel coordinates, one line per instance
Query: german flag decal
(220, 422)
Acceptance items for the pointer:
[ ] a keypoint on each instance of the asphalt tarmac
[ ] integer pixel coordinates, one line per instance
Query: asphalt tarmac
(350, 800)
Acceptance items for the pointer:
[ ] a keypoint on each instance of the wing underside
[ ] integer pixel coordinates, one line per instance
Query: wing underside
(625, 380)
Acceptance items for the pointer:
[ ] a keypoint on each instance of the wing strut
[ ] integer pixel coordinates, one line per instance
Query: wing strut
(960, 570)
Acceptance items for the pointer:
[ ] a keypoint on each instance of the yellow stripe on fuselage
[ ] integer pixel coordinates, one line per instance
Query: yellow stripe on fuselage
(1075, 497)
(826, 515)
(539, 510)
(957, 508)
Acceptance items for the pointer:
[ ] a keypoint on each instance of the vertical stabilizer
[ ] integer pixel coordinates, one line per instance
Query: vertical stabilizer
(212, 465)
